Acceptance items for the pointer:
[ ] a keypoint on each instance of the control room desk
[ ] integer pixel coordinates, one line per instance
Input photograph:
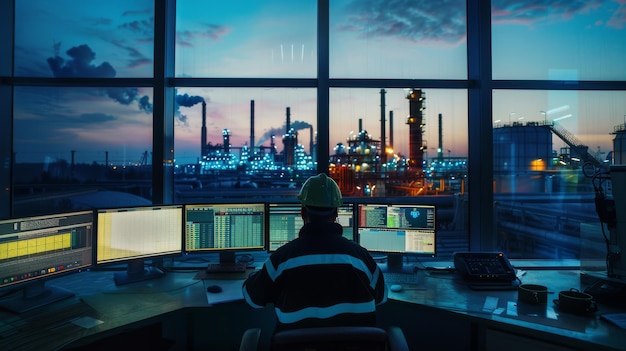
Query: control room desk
(496, 320)
(439, 312)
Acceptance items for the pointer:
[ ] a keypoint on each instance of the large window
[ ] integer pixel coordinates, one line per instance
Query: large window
(86, 146)
(80, 148)
(574, 40)
(482, 107)
(399, 142)
(398, 39)
(243, 142)
(548, 139)
(95, 39)
(271, 38)
(543, 141)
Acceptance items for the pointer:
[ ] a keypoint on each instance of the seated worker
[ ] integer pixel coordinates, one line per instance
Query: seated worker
(320, 278)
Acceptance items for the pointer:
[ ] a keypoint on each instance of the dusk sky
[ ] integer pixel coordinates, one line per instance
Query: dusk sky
(566, 39)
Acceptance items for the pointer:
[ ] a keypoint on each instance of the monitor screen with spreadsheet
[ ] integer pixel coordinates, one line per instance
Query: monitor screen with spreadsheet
(220, 227)
(285, 221)
(134, 234)
(224, 228)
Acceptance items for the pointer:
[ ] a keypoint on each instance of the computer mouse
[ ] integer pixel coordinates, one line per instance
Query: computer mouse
(214, 289)
(395, 287)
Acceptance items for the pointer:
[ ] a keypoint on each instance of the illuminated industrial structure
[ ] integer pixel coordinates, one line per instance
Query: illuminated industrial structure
(252, 160)
(415, 120)
(361, 166)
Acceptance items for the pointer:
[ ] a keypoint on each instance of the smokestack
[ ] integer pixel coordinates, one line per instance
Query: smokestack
(226, 138)
(251, 127)
(311, 146)
(203, 132)
(383, 132)
(440, 149)
(360, 125)
(391, 129)
(289, 142)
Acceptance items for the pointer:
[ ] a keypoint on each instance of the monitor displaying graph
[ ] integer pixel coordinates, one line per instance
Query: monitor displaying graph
(37, 247)
(34, 249)
(397, 228)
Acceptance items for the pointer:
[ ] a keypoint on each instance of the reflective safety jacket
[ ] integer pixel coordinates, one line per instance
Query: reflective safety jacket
(318, 279)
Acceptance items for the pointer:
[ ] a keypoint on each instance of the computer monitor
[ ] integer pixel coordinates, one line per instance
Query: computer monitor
(134, 234)
(224, 228)
(34, 249)
(397, 230)
(285, 222)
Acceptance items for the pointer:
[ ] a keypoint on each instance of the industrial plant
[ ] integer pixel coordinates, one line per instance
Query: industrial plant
(367, 167)
(363, 166)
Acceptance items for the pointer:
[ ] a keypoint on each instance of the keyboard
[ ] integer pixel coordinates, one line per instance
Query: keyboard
(234, 267)
(400, 278)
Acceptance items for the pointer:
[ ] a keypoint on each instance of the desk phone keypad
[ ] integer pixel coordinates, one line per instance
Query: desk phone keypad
(484, 266)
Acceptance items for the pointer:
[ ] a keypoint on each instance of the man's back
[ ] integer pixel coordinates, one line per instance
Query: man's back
(319, 279)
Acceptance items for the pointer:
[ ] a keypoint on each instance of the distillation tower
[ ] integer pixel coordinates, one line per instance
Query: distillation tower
(417, 104)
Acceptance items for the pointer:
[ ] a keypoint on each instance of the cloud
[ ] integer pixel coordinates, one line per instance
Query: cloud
(136, 57)
(529, 11)
(80, 65)
(213, 32)
(618, 19)
(444, 21)
(185, 100)
(95, 118)
(142, 27)
(57, 128)
(278, 132)
(144, 104)
(428, 21)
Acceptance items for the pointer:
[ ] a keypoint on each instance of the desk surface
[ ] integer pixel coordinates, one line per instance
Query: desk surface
(500, 309)
(101, 308)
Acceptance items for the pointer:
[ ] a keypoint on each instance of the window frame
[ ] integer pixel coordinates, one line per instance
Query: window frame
(479, 84)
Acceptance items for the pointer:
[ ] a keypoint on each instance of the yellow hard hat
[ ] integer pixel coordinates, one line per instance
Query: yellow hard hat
(320, 191)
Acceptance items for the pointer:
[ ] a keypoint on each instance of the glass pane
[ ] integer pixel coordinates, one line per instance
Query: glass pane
(215, 128)
(426, 160)
(399, 39)
(68, 38)
(271, 38)
(544, 201)
(78, 148)
(576, 40)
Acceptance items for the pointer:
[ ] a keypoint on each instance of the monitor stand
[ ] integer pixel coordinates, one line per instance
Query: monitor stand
(34, 295)
(136, 272)
(395, 264)
(227, 264)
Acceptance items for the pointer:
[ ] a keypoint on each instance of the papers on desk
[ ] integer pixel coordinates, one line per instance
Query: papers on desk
(86, 322)
(231, 290)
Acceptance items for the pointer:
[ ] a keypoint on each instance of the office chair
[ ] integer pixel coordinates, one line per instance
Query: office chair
(350, 338)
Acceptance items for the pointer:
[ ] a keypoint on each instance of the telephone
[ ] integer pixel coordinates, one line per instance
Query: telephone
(484, 267)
